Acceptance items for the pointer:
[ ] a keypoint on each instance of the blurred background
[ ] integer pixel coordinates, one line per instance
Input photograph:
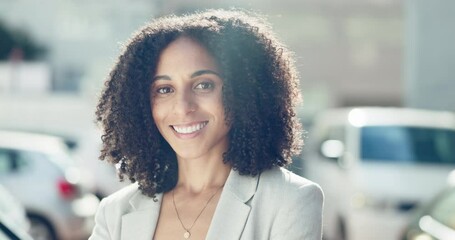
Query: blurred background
(55, 55)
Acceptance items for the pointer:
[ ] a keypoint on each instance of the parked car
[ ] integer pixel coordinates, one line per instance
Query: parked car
(100, 177)
(436, 219)
(376, 165)
(13, 222)
(38, 171)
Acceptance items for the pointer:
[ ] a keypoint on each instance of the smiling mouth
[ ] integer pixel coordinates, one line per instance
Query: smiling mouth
(188, 129)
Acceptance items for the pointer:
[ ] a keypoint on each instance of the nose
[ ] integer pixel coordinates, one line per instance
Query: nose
(184, 103)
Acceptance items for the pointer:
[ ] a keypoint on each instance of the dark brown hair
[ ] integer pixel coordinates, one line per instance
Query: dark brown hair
(260, 92)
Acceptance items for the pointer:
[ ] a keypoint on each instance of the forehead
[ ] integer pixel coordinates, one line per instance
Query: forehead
(185, 54)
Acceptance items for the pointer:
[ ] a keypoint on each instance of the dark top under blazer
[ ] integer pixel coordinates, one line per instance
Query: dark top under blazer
(276, 204)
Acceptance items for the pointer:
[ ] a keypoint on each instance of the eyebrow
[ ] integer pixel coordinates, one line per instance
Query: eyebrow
(202, 72)
(195, 74)
(161, 77)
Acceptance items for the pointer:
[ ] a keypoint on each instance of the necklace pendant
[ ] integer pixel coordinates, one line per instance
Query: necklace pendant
(187, 235)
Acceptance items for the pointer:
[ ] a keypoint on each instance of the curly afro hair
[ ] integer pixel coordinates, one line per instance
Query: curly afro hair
(260, 93)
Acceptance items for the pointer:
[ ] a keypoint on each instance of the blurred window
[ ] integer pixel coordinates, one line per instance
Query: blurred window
(23, 159)
(444, 210)
(12, 161)
(8, 161)
(408, 144)
(5, 161)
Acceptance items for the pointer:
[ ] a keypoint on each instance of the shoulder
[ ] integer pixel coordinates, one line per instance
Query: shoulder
(124, 193)
(110, 210)
(119, 202)
(297, 204)
(280, 180)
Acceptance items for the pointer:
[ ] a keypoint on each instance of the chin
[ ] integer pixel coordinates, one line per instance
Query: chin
(185, 154)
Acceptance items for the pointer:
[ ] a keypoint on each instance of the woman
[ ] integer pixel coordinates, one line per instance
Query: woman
(199, 112)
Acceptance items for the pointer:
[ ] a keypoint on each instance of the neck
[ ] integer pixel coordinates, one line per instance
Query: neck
(196, 175)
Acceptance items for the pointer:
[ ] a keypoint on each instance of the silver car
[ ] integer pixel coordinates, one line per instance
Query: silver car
(13, 223)
(38, 171)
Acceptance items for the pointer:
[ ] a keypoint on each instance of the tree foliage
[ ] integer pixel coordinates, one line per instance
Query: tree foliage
(18, 43)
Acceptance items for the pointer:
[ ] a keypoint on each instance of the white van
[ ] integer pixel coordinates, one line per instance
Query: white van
(375, 165)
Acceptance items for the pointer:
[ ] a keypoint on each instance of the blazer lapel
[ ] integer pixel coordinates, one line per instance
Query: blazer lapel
(232, 211)
(140, 223)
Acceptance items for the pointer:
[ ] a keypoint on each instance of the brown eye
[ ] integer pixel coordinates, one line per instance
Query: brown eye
(205, 86)
(164, 90)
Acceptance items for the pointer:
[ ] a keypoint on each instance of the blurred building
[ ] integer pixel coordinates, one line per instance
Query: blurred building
(57, 93)
(83, 37)
(430, 54)
(350, 53)
(356, 52)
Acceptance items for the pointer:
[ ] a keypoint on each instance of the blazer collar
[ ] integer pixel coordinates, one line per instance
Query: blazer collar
(228, 221)
(140, 222)
(232, 211)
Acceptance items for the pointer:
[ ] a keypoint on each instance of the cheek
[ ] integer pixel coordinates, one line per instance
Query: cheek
(220, 113)
(220, 107)
(157, 113)
(158, 116)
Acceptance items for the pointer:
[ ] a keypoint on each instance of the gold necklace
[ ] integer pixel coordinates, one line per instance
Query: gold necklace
(187, 233)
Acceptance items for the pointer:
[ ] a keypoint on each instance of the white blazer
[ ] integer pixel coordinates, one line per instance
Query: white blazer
(276, 204)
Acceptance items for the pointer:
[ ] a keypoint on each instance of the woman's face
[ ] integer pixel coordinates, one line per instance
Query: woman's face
(186, 99)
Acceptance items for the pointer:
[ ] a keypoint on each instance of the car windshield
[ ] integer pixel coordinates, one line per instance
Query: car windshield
(404, 144)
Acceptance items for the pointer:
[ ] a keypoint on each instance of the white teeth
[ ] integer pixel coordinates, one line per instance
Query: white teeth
(189, 129)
